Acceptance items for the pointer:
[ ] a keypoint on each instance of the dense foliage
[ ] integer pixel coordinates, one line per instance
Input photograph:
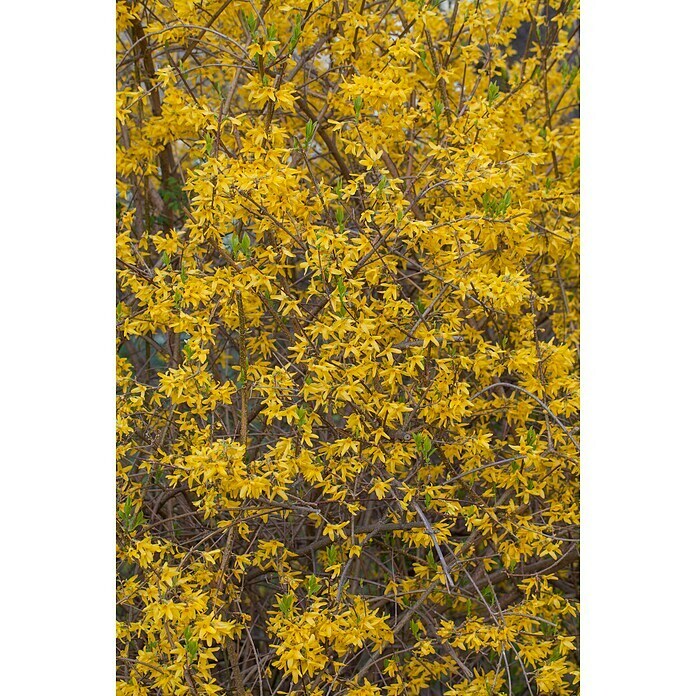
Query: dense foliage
(347, 248)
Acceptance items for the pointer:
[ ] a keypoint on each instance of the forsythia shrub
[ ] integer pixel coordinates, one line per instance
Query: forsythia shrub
(347, 265)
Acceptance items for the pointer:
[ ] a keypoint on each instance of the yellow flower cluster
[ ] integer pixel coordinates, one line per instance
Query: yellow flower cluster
(348, 322)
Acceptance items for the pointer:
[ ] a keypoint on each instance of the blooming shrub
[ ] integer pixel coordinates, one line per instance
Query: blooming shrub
(347, 265)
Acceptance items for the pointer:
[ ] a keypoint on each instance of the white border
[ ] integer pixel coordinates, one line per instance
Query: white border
(57, 347)
(638, 385)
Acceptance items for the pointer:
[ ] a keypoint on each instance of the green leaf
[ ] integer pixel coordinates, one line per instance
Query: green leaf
(312, 585)
(340, 218)
(431, 560)
(285, 604)
(296, 33)
(310, 130)
(251, 22)
(424, 58)
(493, 91)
